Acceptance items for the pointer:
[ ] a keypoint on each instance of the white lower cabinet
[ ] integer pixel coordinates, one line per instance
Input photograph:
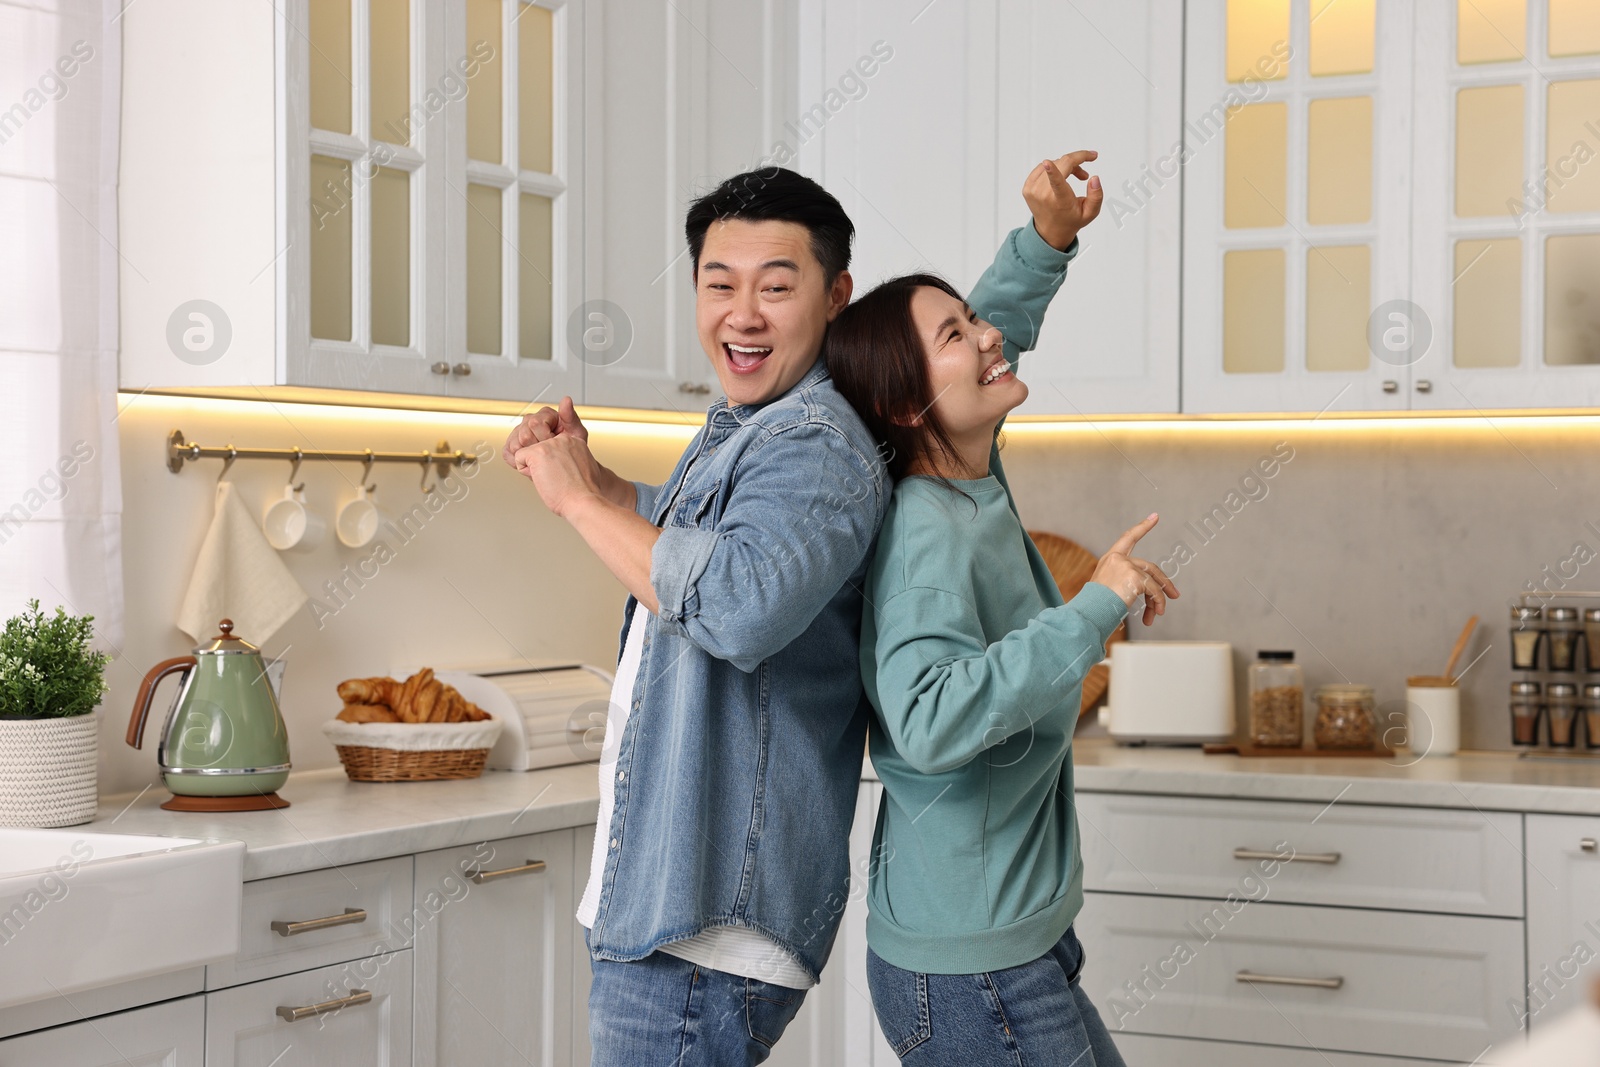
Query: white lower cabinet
(1563, 913)
(1143, 1050)
(494, 935)
(163, 1035)
(355, 1014)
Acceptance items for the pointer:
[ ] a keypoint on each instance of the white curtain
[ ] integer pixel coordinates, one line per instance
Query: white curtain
(60, 487)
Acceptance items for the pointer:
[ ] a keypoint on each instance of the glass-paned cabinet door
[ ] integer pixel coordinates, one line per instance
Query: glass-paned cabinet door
(1297, 146)
(363, 169)
(513, 200)
(1507, 210)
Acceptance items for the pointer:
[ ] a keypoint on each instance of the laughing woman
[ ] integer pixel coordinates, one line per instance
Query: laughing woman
(974, 667)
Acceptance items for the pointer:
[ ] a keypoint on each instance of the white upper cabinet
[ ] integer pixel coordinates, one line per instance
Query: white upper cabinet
(358, 194)
(1296, 206)
(1507, 216)
(928, 117)
(688, 92)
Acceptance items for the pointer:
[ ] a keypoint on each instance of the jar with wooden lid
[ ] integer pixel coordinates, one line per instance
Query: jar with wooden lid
(1591, 638)
(1591, 715)
(1345, 717)
(1277, 701)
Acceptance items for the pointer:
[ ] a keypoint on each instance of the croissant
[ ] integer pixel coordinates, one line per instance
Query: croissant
(367, 713)
(364, 691)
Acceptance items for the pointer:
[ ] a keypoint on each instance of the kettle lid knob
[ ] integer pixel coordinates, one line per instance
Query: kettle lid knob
(226, 626)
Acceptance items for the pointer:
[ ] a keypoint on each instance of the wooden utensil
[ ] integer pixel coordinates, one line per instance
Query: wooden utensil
(1461, 645)
(1072, 565)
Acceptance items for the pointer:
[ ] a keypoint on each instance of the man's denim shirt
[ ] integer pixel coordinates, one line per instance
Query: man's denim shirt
(738, 770)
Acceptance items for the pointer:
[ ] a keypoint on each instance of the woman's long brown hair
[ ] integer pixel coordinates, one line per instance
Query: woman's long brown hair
(879, 364)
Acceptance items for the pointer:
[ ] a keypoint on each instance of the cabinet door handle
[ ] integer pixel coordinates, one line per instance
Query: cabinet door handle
(440, 367)
(462, 369)
(287, 928)
(529, 867)
(1589, 844)
(306, 1011)
(1288, 979)
(1391, 386)
(1424, 385)
(1298, 857)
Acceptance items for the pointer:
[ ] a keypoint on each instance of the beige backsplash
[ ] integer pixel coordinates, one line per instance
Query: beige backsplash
(1367, 548)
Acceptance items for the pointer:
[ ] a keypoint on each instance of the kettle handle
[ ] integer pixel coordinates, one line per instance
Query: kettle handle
(147, 692)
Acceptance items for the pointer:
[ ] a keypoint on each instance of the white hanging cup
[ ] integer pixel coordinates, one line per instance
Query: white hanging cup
(289, 524)
(358, 520)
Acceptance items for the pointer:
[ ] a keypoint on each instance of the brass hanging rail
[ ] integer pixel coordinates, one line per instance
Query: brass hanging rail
(441, 456)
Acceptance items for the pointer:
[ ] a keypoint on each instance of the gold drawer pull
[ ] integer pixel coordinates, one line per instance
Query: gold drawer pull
(1285, 979)
(1298, 857)
(1589, 844)
(286, 928)
(506, 872)
(294, 1015)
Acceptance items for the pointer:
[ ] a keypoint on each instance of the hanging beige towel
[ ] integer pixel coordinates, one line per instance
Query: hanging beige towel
(238, 576)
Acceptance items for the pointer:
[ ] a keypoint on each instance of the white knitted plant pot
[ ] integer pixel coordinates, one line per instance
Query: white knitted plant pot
(49, 772)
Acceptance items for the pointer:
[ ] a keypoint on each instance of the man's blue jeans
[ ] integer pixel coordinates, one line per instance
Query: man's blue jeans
(665, 1012)
(1034, 1014)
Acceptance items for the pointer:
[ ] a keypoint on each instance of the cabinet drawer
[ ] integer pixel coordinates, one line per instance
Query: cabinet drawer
(244, 1027)
(1388, 983)
(1563, 913)
(1354, 855)
(366, 908)
(163, 1035)
(1142, 1050)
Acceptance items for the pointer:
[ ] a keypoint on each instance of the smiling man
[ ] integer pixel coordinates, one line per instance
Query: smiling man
(737, 723)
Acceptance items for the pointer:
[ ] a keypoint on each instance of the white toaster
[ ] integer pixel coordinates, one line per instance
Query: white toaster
(1171, 692)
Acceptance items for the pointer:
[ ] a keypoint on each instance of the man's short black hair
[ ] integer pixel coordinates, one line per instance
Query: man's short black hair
(779, 195)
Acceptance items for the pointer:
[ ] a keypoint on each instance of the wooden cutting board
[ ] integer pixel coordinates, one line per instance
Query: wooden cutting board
(1072, 565)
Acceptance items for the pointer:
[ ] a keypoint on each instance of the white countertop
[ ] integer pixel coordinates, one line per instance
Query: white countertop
(332, 820)
(1489, 781)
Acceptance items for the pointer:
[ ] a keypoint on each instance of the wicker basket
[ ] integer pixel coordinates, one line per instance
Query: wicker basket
(412, 752)
(49, 770)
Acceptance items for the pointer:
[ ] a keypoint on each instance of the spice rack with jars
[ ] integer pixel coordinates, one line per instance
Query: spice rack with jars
(1555, 660)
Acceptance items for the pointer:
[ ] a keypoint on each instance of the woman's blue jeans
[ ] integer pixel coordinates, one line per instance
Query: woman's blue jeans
(1034, 1015)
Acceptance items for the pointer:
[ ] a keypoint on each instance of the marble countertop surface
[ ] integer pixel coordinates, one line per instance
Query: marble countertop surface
(332, 821)
(1490, 781)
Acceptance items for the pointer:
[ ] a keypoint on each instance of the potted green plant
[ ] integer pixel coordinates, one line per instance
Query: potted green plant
(51, 681)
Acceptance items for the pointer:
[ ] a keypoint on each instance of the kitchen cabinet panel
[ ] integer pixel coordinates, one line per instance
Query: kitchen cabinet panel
(366, 902)
(494, 951)
(1563, 912)
(1352, 980)
(582, 843)
(687, 94)
(1143, 1050)
(163, 1035)
(1410, 859)
(365, 1021)
(973, 88)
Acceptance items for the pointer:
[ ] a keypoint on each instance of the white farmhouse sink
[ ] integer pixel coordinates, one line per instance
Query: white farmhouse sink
(80, 910)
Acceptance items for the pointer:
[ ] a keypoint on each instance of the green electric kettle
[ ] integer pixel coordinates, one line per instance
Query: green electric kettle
(224, 746)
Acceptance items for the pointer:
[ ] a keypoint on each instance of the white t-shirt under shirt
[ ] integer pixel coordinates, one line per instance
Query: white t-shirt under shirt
(732, 949)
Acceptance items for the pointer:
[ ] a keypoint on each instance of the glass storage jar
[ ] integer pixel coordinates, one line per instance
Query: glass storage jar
(1277, 701)
(1561, 701)
(1345, 717)
(1591, 639)
(1527, 634)
(1591, 715)
(1563, 638)
(1526, 700)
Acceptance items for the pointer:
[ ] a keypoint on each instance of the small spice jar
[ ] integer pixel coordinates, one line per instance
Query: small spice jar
(1345, 717)
(1527, 634)
(1563, 639)
(1591, 638)
(1591, 715)
(1562, 701)
(1277, 701)
(1527, 698)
